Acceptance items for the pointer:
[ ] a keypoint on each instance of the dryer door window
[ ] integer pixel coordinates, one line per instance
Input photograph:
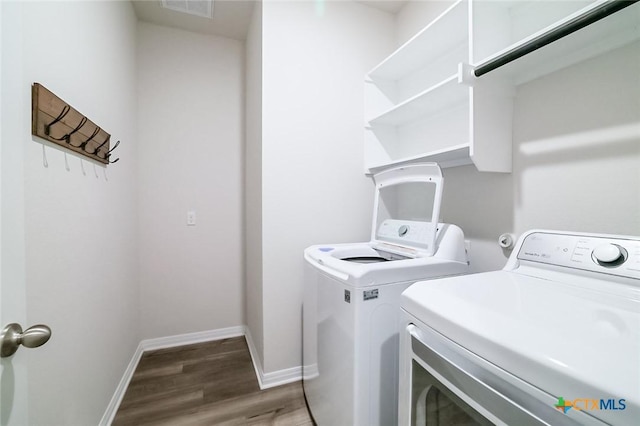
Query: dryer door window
(451, 387)
(435, 405)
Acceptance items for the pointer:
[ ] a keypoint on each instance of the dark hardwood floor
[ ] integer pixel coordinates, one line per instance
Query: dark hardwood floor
(210, 383)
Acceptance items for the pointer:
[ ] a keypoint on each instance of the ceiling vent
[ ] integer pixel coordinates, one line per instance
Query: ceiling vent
(202, 8)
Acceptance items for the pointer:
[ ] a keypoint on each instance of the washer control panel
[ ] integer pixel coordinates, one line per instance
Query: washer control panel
(612, 255)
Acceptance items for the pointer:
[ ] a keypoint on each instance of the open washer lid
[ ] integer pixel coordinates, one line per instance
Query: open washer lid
(407, 209)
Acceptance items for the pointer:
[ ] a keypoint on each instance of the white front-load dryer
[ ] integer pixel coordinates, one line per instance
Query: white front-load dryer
(551, 339)
(352, 293)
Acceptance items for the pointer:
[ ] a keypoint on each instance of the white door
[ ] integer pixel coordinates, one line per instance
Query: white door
(13, 369)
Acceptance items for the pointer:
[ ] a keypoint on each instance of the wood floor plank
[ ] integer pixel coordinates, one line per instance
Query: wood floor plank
(271, 406)
(211, 383)
(147, 398)
(159, 371)
(196, 351)
(161, 407)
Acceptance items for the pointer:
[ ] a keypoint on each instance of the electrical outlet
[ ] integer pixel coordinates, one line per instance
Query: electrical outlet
(191, 218)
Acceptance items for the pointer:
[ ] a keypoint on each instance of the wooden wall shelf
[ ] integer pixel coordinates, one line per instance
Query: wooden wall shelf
(58, 122)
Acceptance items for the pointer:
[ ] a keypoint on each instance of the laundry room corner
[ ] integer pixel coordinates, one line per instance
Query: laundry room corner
(313, 192)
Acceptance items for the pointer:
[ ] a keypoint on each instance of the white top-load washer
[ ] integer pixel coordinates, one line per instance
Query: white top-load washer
(352, 298)
(552, 339)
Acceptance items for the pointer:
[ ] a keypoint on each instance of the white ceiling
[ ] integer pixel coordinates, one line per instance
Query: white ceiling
(231, 18)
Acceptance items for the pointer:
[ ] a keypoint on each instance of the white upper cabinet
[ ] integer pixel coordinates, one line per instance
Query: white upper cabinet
(424, 101)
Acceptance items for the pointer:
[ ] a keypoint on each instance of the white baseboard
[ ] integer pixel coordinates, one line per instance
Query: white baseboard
(255, 358)
(191, 338)
(265, 380)
(274, 378)
(112, 408)
(280, 377)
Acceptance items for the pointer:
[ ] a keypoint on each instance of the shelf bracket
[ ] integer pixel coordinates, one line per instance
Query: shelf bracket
(465, 74)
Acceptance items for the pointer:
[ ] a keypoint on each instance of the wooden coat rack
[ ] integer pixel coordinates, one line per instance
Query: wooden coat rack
(58, 122)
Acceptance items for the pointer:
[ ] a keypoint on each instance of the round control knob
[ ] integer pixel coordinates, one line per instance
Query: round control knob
(608, 254)
(402, 231)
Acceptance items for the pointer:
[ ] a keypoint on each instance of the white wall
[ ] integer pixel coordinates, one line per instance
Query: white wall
(315, 56)
(577, 147)
(190, 109)
(576, 161)
(415, 15)
(253, 182)
(79, 230)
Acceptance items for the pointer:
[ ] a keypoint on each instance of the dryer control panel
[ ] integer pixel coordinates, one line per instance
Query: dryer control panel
(597, 253)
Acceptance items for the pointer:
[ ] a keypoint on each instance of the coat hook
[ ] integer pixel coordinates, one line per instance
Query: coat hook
(95, 151)
(60, 116)
(106, 156)
(82, 123)
(108, 153)
(67, 137)
(93, 135)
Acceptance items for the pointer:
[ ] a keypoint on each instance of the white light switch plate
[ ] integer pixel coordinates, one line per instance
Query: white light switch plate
(191, 218)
